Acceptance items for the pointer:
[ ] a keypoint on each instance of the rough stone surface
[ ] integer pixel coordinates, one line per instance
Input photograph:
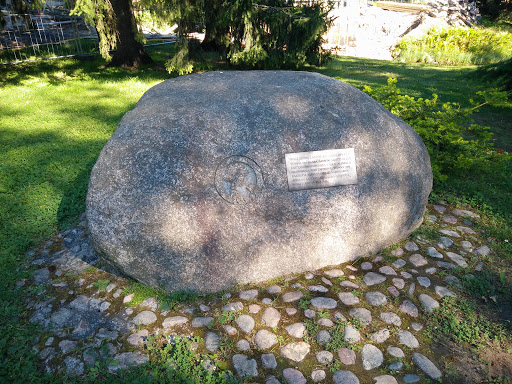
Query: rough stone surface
(212, 341)
(347, 356)
(183, 186)
(348, 298)
(270, 317)
(391, 318)
(173, 321)
(428, 302)
(426, 366)
(268, 361)
(245, 323)
(295, 351)
(376, 298)
(408, 339)
(396, 352)
(323, 303)
(351, 335)
(293, 376)
(361, 314)
(244, 366)
(372, 357)
(409, 308)
(324, 357)
(372, 278)
(385, 379)
(265, 339)
(296, 330)
(318, 375)
(145, 318)
(345, 377)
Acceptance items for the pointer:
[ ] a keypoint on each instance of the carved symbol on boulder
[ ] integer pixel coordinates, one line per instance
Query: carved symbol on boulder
(238, 179)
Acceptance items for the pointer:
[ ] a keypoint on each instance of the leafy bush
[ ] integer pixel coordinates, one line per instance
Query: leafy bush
(453, 142)
(456, 46)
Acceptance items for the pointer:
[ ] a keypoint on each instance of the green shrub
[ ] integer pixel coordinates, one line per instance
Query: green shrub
(500, 73)
(456, 46)
(452, 140)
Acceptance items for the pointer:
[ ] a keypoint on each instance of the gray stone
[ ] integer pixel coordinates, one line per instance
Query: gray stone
(366, 266)
(348, 298)
(62, 317)
(408, 339)
(274, 289)
(198, 322)
(323, 322)
(465, 213)
(394, 291)
(399, 263)
(345, 377)
(212, 341)
(417, 326)
(411, 378)
(243, 345)
(361, 314)
(428, 302)
(417, 260)
(372, 278)
(409, 308)
(74, 367)
(443, 292)
(484, 250)
(255, 308)
(309, 276)
(333, 273)
(431, 270)
(324, 357)
(268, 361)
(291, 311)
(267, 301)
(296, 330)
(42, 276)
(466, 245)
(426, 366)
(458, 259)
(349, 284)
(290, 297)
(323, 337)
(405, 275)
(399, 283)
(167, 189)
(380, 336)
(327, 281)
(138, 338)
(249, 295)
(432, 252)
(103, 334)
(387, 270)
(245, 323)
(293, 376)
(396, 366)
(318, 288)
(446, 242)
(449, 219)
(270, 317)
(351, 335)
(295, 351)
(372, 357)
(424, 281)
(236, 306)
(396, 352)
(244, 366)
(323, 303)
(318, 375)
(67, 346)
(411, 289)
(145, 318)
(411, 246)
(449, 232)
(467, 230)
(376, 298)
(271, 379)
(173, 321)
(446, 265)
(439, 208)
(391, 318)
(264, 339)
(339, 316)
(385, 379)
(309, 313)
(127, 359)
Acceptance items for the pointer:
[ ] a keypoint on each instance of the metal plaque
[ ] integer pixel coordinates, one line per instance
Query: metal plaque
(321, 169)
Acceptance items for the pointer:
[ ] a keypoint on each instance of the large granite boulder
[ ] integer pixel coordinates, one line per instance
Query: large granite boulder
(191, 191)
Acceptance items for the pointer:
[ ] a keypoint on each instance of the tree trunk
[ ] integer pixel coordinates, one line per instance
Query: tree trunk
(216, 35)
(129, 52)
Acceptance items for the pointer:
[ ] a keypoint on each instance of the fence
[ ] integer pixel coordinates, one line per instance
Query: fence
(39, 36)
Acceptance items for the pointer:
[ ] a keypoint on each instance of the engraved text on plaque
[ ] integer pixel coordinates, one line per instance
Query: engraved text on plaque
(321, 169)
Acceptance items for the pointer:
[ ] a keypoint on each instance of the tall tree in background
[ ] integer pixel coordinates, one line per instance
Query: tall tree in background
(117, 30)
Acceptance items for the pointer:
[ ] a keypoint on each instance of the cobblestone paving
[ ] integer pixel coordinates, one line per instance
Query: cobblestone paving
(352, 323)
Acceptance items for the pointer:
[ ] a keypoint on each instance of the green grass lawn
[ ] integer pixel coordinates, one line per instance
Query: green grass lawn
(56, 116)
